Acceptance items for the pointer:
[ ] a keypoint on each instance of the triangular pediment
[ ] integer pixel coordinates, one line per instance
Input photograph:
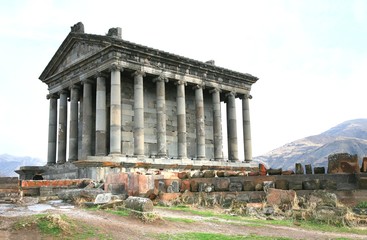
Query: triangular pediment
(73, 50)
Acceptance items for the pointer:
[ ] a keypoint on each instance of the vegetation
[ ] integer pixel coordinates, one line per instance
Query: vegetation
(184, 220)
(59, 226)
(362, 204)
(213, 236)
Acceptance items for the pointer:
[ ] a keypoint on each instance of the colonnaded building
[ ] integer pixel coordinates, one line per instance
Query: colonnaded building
(132, 106)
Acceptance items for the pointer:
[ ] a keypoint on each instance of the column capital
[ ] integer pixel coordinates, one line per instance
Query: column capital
(230, 94)
(101, 74)
(52, 95)
(180, 82)
(115, 66)
(160, 78)
(74, 86)
(198, 86)
(138, 73)
(64, 91)
(245, 96)
(215, 90)
(87, 81)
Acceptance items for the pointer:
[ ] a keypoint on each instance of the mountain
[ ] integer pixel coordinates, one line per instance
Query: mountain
(9, 163)
(349, 137)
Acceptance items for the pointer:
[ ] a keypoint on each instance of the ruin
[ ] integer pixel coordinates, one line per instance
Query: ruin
(132, 106)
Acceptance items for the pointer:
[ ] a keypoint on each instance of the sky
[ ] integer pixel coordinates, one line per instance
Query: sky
(310, 57)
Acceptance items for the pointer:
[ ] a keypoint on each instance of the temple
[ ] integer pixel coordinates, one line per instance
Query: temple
(117, 104)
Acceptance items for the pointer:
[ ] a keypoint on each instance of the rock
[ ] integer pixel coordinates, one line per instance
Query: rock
(343, 163)
(328, 184)
(268, 184)
(319, 170)
(253, 174)
(277, 171)
(103, 198)
(282, 184)
(262, 169)
(268, 211)
(202, 186)
(248, 186)
(220, 173)
(185, 185)
(288, 172)
(197, 174)
(295, 185)
(209, 174)
(299, 169)
(313, 184)
(230, 173)
(222, 184)
(364, 165)
(169, 189)
(139, 204)
(209, 188)
(88, 195)
(175, 186)
(194, 186)
(116, 188)
(183, 175)
(235, 187)
(308, 168)
(282, 198)
(243, 198)
(161, 186)
(362, 182)
(259, 187)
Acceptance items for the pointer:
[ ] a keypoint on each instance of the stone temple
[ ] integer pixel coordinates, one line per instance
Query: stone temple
(117, 106)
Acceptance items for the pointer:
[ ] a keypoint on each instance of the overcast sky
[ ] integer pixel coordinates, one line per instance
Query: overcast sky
(310, 57)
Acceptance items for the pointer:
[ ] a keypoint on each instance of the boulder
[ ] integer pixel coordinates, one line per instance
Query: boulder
(139, 204)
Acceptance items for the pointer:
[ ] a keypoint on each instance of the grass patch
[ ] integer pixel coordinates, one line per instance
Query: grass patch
(184, 220)
(120, 212)
(59, 227)
(213, 236)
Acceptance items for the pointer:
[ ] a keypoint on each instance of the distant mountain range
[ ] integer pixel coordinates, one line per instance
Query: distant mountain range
(349, 137)
(9, 163)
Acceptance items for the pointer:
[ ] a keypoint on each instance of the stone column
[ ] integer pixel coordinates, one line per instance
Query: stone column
(161, 116)
(138, 113)
(62, 131)
(181, 120)
(217, 125)
(246, 127)
(73, 130)
(87, 119)
(115, 115)
(52, 130)
(232, 127)
(101, 116)
(200, 123)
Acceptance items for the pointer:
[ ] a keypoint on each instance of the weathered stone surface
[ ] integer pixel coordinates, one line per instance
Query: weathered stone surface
(267, 185)
(362, 182)
(88, 195)
(253, 174)
(248, 186)
(277, 171)
(313, 184)
(209, 174)
(185, 185)
(308, 168)
(139, 204)
(175, 186)
(197, 174)
(262, 169)
(343, 163)
(282, 184)
(103, 198)
(287, 172)
(281, 197)
(319, 170)
(205, 187)
(230, 173)
(194, 186)
(220, 173)
(183, 175)
(259, 186)
(299, 169)
(328, 184)
(295, 185)
(364, 165)
(222, 184)
(243, 198)
(235, 187)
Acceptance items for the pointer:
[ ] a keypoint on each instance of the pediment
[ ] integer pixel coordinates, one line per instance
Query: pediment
(71, 51)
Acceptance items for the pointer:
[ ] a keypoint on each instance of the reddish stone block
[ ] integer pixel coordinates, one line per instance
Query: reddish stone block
(343, 163)
(364, 165)
(262, 169)
(194, 186)
(281, 197)
(185, 185)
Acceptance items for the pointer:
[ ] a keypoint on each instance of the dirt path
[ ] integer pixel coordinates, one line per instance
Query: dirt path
(133, 228)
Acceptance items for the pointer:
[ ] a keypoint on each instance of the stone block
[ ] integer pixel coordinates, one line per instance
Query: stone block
(185, 185)
(282, 184)
(262, 169)
(343, 163)
(243, 198)
(364, 165)
(220, 173)
(362, 182)
(308, 168)
(103, 198)
(267, 185)
(183, 175)
(295, 185)
(328, 184)
(248, 186)
(313, 184)
(259, 187)
(221, 184)
(235, 187)
(194, 186)
(209, 174)
(197, 174)
(230, 173)
(287, 172)
(319, 170)
(277, 171)
(299, 168)
(257, 197)
(253, 174)
(281, 197)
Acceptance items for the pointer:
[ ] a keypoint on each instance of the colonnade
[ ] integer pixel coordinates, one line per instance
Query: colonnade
(57, 137)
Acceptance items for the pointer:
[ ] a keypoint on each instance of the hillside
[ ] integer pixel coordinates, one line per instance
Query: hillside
(9, 163)
(349, 137)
